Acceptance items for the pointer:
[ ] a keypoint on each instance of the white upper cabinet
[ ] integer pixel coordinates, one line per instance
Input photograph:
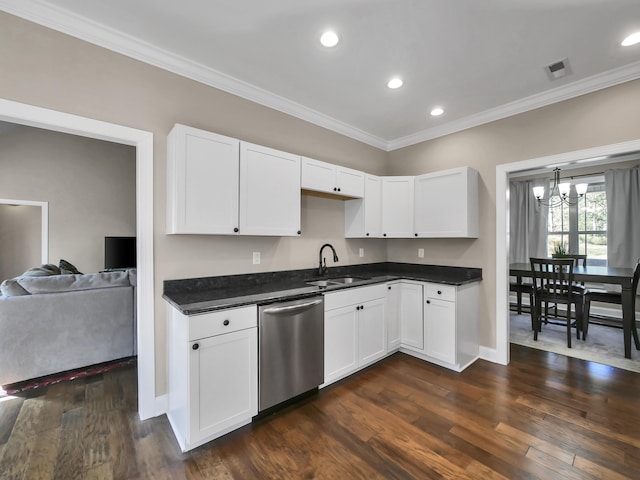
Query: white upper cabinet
(363, 217)
(202, 182)
(325, 177)
(397, 207)
(446, 204)
(269, 191)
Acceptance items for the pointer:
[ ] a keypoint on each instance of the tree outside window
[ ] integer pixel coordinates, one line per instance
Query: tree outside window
(581, 228)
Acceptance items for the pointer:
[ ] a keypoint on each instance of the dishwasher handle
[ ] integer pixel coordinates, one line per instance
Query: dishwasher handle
(291, 308)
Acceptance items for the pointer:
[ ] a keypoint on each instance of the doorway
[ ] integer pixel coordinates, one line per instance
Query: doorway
(502, 224)
(30, 115)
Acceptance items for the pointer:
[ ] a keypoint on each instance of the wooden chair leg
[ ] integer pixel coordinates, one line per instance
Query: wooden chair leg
(585, 317)
(569, 325)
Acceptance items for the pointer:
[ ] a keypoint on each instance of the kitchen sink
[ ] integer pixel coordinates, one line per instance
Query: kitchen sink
(334, 281)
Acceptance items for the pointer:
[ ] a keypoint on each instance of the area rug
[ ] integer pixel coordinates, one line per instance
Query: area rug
(27, 385)
(604, 345)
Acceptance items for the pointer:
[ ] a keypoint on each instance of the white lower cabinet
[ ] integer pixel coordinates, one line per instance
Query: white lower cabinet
(392, 315)
(355, 330)
(450, 326)
(411, 315)
(213, 373)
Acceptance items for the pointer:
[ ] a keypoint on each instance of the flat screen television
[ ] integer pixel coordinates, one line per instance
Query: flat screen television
(119, 252)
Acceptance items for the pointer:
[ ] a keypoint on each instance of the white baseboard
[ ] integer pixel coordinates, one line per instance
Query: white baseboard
(162, 405)
(489, 354)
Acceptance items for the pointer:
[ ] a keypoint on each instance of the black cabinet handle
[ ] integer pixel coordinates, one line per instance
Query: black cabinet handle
(415, 234)
(335, 189)
(384, 234)
(367, 234)
(339, 189)
(439, 292)
(428, 301)
(389, 287)
(299, 232)
(236, 230)
(225, 323)
(195, 346)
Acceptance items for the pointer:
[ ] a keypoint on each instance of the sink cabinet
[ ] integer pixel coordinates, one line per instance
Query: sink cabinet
(213, 373)
(355, 330)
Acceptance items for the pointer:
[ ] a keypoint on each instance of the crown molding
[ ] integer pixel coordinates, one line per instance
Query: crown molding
(85, 29)
(80, 27)
(549, 97)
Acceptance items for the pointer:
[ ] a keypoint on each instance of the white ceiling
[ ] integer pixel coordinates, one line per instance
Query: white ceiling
(481, 60)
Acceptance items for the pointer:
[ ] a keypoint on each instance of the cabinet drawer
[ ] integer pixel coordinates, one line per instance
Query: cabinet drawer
(213, 323)
(443, 292)
(352, 296)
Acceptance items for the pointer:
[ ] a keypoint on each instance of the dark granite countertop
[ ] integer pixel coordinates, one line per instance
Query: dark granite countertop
(199, 295)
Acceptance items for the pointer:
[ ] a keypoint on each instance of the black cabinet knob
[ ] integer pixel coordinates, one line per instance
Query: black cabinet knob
(367, 234)
(299, 232)
(195, 346)
(439, 292)
(415, 234)
(389, 287)
(428, 301)
(339, 189)
(384, 234)
(335, 189)
(225, 323)
(236, 230)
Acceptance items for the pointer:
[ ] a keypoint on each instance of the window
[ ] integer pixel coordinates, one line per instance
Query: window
(581, 228)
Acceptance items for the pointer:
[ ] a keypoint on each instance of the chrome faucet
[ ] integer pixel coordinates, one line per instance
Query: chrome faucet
(322, 267)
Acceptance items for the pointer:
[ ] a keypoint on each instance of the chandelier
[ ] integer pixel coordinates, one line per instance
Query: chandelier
(559, 193)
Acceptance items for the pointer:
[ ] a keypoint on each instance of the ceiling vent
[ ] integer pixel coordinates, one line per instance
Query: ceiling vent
(558, 69)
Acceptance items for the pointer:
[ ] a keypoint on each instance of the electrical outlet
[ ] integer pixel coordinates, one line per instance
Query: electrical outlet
(361, 252)
(256, 258)
(421, 253)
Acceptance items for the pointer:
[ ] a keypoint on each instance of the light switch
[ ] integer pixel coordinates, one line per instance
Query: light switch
(421, 253)
(256, 258)
(361, 252)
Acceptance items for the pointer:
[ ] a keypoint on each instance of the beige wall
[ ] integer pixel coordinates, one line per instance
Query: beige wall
(90, 186)
(20, 238)
(601, 118)
(48, 69)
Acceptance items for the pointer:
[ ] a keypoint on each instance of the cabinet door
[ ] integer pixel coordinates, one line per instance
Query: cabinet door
(440, 326)
(318, 176)
(340, 342)
(202, 182)
(446, 204)
(372, 335)
(350, 182)
(411, 316)
(397, 207)
(392, 316)
(363, 217)
(269, 191)
(223, 382)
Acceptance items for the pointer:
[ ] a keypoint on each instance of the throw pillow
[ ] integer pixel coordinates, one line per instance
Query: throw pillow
(67, 268)
(11, 288)
(43, 271)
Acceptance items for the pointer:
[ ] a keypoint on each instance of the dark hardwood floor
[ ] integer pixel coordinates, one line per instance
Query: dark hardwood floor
(543, 416)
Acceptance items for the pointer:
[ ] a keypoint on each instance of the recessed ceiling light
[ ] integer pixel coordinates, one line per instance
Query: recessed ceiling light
(329, 38)
(437, 111)
(631, 40)
(394, 83)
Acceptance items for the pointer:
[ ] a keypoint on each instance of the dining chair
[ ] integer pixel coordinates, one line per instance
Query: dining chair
(578, 288)
(607, 296)
(553, 283)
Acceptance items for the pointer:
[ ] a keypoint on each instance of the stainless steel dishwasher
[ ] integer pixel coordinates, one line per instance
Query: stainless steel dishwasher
(291, 349)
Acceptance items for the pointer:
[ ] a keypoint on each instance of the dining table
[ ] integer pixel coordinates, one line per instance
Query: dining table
(597, 274)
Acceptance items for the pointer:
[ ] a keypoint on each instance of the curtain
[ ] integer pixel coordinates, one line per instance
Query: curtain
(527, 222)
(622, 188)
